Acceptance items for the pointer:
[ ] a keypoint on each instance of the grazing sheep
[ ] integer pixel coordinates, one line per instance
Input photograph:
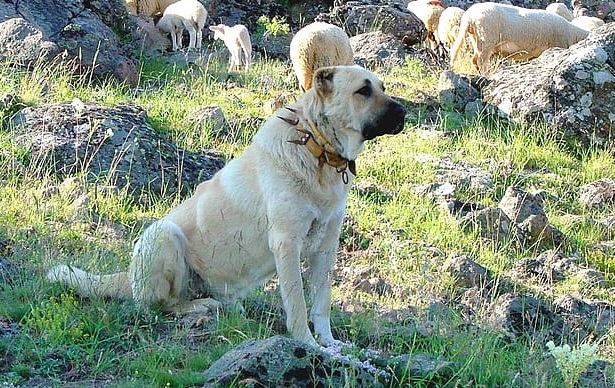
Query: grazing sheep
(448, 25)
(318, 45)
(428, 11)
(147, 7)
(188, 14)
(587, 23)
(236, 39)
(561, 10)
(513, 32)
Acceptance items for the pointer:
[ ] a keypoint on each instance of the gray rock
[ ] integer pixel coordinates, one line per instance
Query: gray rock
(493, 224)
(573, 90)
(116, 146)
(518, 316)
(73, 26)
(524, 210)
(598, 193)
(455, 91)
(585, 319)
(466, 272)
(377, 50)
(358, 17)
(23, 44)
(422, 365)
(283, 362)
(604, 10)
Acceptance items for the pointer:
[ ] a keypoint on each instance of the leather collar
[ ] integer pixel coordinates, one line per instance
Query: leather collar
(321, 148)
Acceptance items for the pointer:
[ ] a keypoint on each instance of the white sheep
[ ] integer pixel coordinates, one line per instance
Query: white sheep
(236, 39)
(512, 32)
(587, 23)
(428, 11)
(318, 45)
(448, 25)
(147, 7)
(560, 9)
(188, 14)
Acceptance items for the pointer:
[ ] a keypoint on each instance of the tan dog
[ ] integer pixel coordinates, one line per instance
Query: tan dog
(281, 201)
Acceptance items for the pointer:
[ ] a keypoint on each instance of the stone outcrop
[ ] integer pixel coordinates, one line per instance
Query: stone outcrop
(377, 50)
(48, 28)
(358, 17)
(114, 145)
(572, 90)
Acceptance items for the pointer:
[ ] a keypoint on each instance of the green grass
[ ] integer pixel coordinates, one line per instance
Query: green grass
(401, 236)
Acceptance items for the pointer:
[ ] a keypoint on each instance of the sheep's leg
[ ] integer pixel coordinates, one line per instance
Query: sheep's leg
(192, 33)
(247, 54)
(178, 39)
(199, 38)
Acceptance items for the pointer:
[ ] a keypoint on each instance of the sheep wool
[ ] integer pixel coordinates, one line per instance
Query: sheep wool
(512, 32)
(318, 45)
(236, 39)
(147, 7)
(185, 14)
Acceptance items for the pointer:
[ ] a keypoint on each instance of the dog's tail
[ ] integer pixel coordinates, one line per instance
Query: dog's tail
(115, 285)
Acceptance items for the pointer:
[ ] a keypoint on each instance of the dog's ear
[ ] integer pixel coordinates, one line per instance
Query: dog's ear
(215, 28)
(323, 80)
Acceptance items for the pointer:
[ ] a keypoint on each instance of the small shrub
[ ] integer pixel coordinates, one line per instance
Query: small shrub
(572, 363)
(274, 26)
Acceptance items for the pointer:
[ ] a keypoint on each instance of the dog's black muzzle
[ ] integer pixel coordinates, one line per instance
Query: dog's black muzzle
(390, 122)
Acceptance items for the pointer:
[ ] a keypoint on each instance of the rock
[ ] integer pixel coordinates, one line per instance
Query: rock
(283, 362)
(8, 270)
(210, 119)
(377, 50)
(519, 316)
(604, 10)
(113, 145)
(358, 17)
(456, 91)
(598, 194)
(572, 90)
(23, 44)
(466, 272)
(46, 28)
(493, 224)
(585, 319)
(525, 211)
(422, 365)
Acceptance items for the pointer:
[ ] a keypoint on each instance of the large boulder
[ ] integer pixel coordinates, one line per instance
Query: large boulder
(71, 26)
(604, 10)
(377, 50)
(573, 89)
(358, 17)
(113, 145)
(283, 362)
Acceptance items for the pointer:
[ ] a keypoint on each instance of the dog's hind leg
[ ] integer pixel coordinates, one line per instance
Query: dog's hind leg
(158, 270)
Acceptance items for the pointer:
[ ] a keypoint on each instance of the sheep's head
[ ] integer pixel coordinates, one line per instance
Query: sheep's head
(219, 31)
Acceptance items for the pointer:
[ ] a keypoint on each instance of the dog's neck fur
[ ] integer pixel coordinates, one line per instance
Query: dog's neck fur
(319, 146)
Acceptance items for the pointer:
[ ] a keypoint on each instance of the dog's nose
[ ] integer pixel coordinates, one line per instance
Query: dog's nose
(398, 116)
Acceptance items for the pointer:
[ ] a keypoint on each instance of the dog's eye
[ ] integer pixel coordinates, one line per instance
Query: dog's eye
(365, 91)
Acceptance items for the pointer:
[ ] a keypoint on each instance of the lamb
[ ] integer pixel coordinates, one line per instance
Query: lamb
(448, 25)
(236, 39)
(318, 45)
(513, 32)
(147, 7)
(428, 11)
(188, 14)
(560, 9)
(587, 23)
